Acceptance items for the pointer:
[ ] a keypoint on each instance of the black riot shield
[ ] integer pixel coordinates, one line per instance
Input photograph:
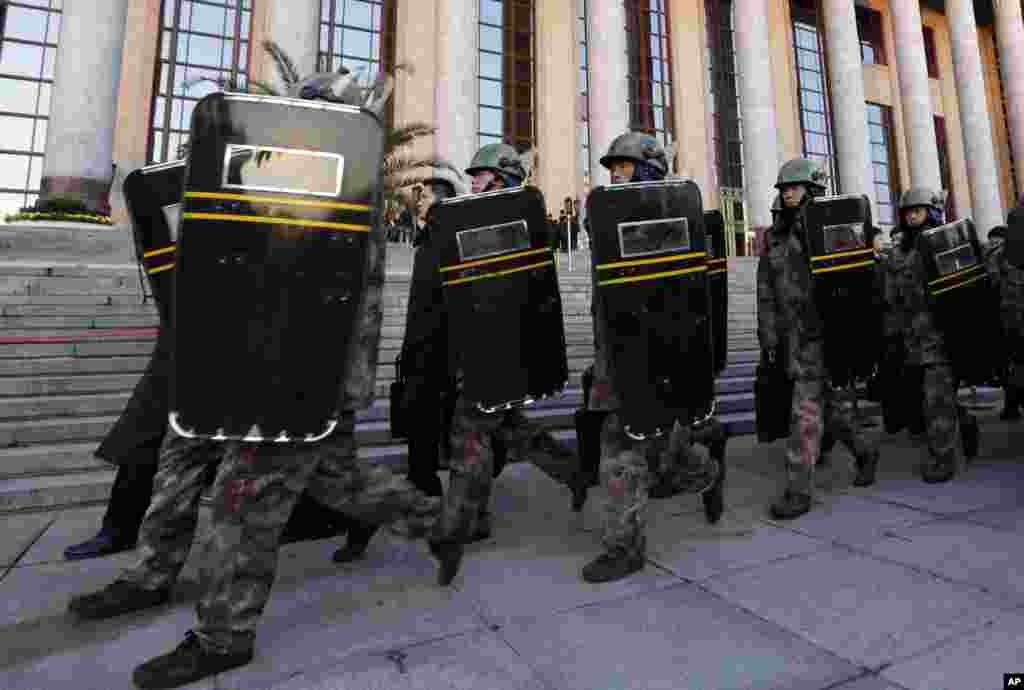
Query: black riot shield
(280, 197)
(1015, 237)
(843, 270)
(501, 293)
(648, 253)
(153, 196)
(963, 300)
(718, 285)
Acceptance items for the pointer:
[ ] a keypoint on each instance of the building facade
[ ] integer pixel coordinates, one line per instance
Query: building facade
(884, 93)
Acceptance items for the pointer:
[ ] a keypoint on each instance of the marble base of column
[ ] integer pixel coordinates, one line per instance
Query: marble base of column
(94, 194)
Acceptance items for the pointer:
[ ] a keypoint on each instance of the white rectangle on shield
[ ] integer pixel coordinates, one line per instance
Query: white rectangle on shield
(843, 237)
(644, 237)
(291, 171)
(492, 240)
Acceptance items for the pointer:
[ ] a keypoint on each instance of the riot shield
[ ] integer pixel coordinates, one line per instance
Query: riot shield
(650, 264)
(718, 285)
(153, 197)
(843, 270)
(501, 293)
(280, 197)
(1015, 237)
(963, 300)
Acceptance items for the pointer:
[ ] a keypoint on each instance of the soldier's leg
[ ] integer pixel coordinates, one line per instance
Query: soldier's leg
(943, 426)
(471, 471)
(625, 475)
(527, 440)
(681, 467)
(802, 449)
(841, 423)
(713, 436)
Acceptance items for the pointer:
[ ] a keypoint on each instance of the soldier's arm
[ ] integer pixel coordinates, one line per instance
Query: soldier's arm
(993, 265)
(767, 315)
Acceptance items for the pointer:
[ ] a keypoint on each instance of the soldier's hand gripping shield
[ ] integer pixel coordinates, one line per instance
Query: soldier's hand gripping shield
(963, 300)
(843, 271)
(501, 291)
(280, 197)
(153, 197)
(1015, 237)
(718, 285)
(650, 264)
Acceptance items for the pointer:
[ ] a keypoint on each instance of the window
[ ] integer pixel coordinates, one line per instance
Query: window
(505, 72)
(944, 171)
(359, 34)
(29, 30)
(726, 121)
(198, 39)
(883, 161)
(650, 69)
(583, 95)
(869, 28)
(815, 113)
(930, 56)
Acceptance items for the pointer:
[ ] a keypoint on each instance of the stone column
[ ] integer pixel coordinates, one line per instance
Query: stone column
(83, 108)
(557, 74)
(982, 172)
(915, 95)
(295, 26)
(757, 111)
(1010, 36)
(849, 113)
(456, 101)
(608, 70)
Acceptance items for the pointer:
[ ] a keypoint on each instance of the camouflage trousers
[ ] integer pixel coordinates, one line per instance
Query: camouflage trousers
(255, 488)
(473, 436)
(629, 468)
(942, 416)
(815, 408)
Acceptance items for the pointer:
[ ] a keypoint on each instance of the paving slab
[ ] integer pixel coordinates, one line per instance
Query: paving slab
(862, 609)
(1008, 517)
(69, 527)
(961, 551)
(19, 533)
(868, 682)
(975, 660)
(680, 637)
(963, 494)
(853, 519)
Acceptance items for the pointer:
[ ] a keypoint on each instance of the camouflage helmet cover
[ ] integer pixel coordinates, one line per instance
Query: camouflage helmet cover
(921, 196)
(498, 158)
(801, 171)
(637, 147)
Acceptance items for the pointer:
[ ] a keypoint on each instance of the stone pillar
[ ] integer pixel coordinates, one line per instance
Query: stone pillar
(415, 45)
(757, 111)
(915, 95)
(982, 173)
(556, 115)
(609, 70)
(294, 25)
(83, 108)
(456, 101)
(849, 113)
(1010, 36)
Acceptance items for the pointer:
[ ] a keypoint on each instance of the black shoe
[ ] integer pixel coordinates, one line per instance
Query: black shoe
(482, 534)
(580, 487)
(938, 472)
(358, 540)
(449, 554)
(116, 599)
(714, 498)
(104, 543)
(971, 437)
(791, 505)
(189, 662)
(611, 566)
(866, 469)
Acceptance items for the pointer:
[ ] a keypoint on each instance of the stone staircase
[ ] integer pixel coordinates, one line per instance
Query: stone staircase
(75, 339)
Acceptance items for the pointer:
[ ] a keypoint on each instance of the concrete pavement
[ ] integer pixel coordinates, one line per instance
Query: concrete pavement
(899, 586)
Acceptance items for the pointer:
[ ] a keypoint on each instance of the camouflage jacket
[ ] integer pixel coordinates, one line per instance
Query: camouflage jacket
(359, 386)
(787, 317)
(908, 314)
(1009, 281)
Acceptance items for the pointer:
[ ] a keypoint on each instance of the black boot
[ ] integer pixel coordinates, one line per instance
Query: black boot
(106, 542)
(714, 498)
(116, 599)
(588, 447)
(867, 467)
(611, 566)
(1011, 406)
(828, 442)
(971, 435)
(189, 662)
(483, 529)
(359, 536)
(310, 521)
(449, 555)
(791, 504)
(696, 480)
(938, 471)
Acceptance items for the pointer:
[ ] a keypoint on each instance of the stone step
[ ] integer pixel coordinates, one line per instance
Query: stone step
(71, 366)
(79, 384)
(27, 411)
(49, 459)
(9, 325)
(30, 285)
(80, 310)
(56, 492)
(105, 347)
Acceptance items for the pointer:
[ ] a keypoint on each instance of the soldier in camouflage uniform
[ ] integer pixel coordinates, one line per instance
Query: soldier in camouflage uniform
(254, 491)
(909, 318)
(1009, 280)
(633, 471)
(476, 436)
(789, 327)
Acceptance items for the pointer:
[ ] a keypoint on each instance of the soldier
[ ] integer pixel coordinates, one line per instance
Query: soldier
(479, 442)
(629, 467)
(910, 326)
(255, 488)
(1009, 280)
(791, 329)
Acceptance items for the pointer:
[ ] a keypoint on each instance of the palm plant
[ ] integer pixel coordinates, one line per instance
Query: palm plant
(402, 169)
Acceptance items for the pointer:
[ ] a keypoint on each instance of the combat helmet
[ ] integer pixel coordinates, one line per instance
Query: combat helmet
(921, 196)
(639, 148)
(501, 159)
(802, 171)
